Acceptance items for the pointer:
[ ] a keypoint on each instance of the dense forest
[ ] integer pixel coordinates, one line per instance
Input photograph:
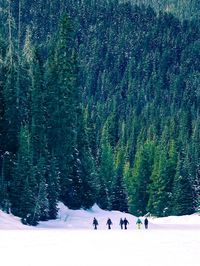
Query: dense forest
(99, 102)
(184, 9)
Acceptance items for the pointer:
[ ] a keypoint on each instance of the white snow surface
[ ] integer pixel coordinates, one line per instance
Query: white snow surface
(71, 241)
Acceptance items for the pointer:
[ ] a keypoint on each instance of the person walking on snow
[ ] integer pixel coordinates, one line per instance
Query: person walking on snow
(95, 223)
(139, 222)
(121, 222)
(126, 222)
(109, 222)
(146, 223)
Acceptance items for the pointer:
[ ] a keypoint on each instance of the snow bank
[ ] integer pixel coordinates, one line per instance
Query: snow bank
(9, 221)
(82, 219)
(179, 222)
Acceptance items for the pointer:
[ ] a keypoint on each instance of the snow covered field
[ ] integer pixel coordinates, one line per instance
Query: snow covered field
(71, 241)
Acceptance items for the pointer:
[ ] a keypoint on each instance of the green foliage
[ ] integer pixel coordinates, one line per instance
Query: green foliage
(52, 175)
(63, 104)
(119, 198)
(103, 199)
(97, 105)
(42, 204)
(183, 191)
(106, 170)
(160, 187)
(141, 177)
(24, 186)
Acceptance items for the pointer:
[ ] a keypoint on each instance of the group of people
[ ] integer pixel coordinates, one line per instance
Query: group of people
(123, 223)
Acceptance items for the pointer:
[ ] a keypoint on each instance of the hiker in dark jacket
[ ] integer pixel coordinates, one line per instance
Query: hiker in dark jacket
(125, 223)
(95, 223)
(146, 223)
(121, 222)
(109, 222)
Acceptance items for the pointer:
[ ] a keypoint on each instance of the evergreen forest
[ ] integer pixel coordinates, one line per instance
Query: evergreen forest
(99, 103)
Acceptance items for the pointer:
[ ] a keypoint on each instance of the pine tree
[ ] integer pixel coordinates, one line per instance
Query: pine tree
(38, 123)
(103, 197)
(119, 197)
(88, 173)
(2, 124)
(2, 186)
(24, 80)
(62, 104)
(10, 88)
(75, 191)
(106, 166)
(2, 100)
(42, 201)
(41, 210)
(183, 191)
(142, 172)
(24, 185)
(52, 176)
(159, 197)
(5, 177)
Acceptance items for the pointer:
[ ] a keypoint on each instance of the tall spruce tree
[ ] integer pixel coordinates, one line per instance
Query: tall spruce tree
(119, 198)
(52, 176)
(24, 185)
(38, 123)
(106, 169)
(75, 190)
(41, 211)
(63, 104)
(88, 172)
(183, 191)
(10, 89)
(141, 177)
(103, 199)
(159, 196)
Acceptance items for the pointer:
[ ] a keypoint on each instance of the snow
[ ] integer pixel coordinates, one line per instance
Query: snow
(71, 241)
(8, 221)
(81, 219)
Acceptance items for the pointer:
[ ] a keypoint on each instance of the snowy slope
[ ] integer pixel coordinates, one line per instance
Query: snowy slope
(9, 221)
(179, 222)
(82, 219)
